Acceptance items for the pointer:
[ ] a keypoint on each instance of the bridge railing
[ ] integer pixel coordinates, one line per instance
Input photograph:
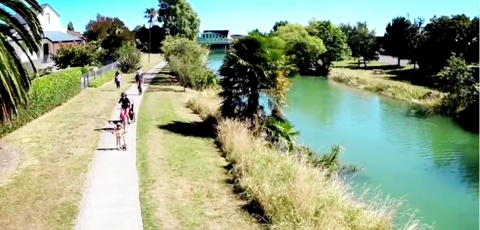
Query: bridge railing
(213, 40)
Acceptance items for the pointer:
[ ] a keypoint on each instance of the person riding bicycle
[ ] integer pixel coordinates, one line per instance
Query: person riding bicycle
(125, 105)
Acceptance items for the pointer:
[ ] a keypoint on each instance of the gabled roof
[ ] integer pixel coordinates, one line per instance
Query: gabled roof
(58, 36)
(22, 21)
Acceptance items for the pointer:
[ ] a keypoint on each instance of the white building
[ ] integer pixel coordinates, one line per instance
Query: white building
(53, 36)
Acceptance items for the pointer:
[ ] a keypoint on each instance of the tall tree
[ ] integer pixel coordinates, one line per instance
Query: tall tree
(399, 38)
(334, 40)
(70, 26)
(14, 79)
(177, 17)
(151, 14)
(110, 32)
(418, 39)
(278, 24)
(361, 41)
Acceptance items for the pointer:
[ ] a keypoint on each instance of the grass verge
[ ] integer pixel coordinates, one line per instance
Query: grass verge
(292, 194)
(387, 80)
(105, 78)
(182, 176)
(55, 151)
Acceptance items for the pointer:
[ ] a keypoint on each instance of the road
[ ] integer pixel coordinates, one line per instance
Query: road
(392, 60)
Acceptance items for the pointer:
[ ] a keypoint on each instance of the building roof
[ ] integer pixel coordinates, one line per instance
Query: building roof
(58, 36)
(43, 6)
(221, 32)
(75, 33)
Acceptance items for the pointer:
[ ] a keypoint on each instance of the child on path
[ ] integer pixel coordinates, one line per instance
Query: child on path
(120, 135)
(118, 79)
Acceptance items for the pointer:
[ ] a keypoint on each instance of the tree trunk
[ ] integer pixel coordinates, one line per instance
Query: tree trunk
(398, 61)
(359, 63)
(253, 103)
(149, 41)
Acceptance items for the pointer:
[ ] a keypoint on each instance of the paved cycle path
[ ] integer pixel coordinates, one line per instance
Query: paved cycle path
(111, 199)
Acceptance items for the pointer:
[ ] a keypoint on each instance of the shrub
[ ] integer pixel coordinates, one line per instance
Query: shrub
(107, 77)
(45, 94)
(77, 55)
(128, 57)
(188, 60)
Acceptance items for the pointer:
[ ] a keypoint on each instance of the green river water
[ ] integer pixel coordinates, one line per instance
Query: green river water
(431, 162)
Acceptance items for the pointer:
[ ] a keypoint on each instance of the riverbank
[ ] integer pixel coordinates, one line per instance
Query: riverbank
(287, 193)
(52, 155)
(183, 180)
(385, 79)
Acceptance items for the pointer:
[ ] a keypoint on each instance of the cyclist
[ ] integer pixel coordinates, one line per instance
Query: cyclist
(139, 80)
(125, 105)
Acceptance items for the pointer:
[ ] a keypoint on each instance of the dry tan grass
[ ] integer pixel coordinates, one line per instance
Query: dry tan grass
(293, 194)
(182, 179)
(45, 190)
(204, 103)
(366, 79)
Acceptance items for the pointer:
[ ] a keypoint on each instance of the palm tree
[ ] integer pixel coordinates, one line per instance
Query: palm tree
(250, 69)
(14, 79)
(150, 14)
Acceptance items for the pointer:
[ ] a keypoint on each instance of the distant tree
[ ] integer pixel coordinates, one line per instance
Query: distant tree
(278, 24)
(445, 35)
(142, 36)
(361, 41)
(418, 39)
(110, 32)
(177, 17)
(334, 40)
(305, 51)
(399, 38)
(70, 26)
(256, 32)
(151, 14)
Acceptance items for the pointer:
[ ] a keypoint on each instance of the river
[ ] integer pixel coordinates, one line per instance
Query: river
(431, 162)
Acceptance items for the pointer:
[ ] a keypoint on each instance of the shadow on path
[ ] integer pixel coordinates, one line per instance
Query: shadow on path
(105, 129)
(193, 129)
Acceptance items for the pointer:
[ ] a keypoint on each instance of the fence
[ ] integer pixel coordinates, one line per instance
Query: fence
(88, 77)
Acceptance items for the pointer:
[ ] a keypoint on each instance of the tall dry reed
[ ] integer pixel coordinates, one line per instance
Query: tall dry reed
(291, 193)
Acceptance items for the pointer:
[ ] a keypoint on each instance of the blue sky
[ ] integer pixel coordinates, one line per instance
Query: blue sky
(242, 16)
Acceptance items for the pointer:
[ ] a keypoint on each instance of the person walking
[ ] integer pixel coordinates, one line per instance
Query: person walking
(118, 80)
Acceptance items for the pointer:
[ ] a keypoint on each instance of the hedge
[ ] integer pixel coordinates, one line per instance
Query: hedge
(107, 77)
(46, 93)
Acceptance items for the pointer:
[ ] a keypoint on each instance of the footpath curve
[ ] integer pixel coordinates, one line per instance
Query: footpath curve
(111, 199)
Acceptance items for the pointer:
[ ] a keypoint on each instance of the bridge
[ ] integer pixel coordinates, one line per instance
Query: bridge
(212, 38)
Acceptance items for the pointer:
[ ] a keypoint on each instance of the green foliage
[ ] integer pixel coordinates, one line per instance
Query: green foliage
(330, 161)
(70, 26)
(14, 36)
(278, 24)
(304, 51)
(335, 42)
(177, 17)
(281, 132)
(129, 57)
(361, 41)
(142, 35)
(77, 55)
(459, 82)
(399, 38)
(252, 67)
(99, 81)
(188, 60)
(46, 93)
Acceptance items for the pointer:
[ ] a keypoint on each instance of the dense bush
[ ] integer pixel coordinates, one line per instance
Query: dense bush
(128, 57)
(77, 55)
(45, 94)
(188, 60)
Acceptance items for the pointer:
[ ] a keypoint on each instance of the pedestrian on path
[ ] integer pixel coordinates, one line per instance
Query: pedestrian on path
(118, 79)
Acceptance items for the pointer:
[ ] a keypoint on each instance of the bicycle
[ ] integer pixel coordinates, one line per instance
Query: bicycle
(124, 117)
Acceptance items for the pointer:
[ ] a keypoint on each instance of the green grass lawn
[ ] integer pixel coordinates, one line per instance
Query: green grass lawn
(182, 179)
(49, 159)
